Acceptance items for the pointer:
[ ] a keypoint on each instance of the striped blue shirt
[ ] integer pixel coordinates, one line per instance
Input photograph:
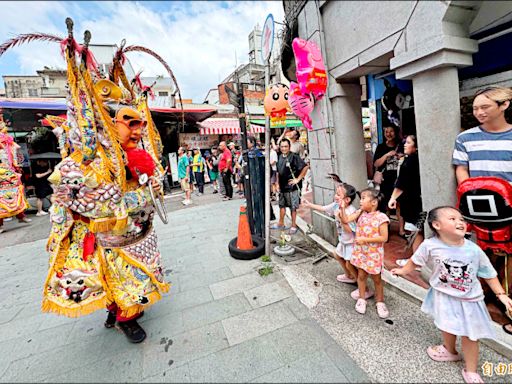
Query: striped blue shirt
(484, 153)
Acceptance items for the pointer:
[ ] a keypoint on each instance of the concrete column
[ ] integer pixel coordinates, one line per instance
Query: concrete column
(437, 115)
(348, 134)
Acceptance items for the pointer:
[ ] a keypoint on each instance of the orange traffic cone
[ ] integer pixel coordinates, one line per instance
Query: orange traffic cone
(244, 240)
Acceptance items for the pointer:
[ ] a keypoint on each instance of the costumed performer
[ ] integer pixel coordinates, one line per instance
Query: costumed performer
(103, 249)
(12, 191)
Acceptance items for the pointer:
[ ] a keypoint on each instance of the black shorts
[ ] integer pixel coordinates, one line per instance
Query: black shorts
(43, 192)
(289, 199)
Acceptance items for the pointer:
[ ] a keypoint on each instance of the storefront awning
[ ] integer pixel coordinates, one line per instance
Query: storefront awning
(33, 103)
(59, 104)
(225, 126)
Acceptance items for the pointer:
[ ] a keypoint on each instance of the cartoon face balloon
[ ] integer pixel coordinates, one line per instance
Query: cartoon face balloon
(311, 74)
(301, 105)
(276, 104)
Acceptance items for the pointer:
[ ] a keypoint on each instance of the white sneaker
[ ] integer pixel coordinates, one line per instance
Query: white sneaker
(42, 213)
(25, 220)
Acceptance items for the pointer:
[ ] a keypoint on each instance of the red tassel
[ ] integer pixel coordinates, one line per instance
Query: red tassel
(150, 92)
(92, 63)
(77, 48)
(89, 245)
(142, 161)
(138, 81)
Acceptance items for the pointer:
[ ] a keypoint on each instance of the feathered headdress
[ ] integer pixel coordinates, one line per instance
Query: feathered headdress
(80, 132)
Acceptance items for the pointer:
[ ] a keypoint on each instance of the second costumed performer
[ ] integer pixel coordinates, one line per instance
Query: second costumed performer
(102, 245)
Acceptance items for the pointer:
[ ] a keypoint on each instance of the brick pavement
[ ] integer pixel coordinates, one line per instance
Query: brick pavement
(221, 322)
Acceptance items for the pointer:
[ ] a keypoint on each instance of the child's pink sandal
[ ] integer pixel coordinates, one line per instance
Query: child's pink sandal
(382, 310)
(345, 279)
(361, 306)
(440, 353)
(471, 377)
(367, 294)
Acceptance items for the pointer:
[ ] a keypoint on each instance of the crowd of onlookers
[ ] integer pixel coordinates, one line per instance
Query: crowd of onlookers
(223, 166)
(455, 299)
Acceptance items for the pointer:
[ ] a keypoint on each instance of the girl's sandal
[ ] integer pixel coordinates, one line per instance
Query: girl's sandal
(382, 310)
(471, 377)
(506, 327)
(361, 306)
(440, 353)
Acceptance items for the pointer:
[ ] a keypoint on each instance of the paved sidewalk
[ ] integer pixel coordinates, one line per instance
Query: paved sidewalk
(222, 321)
(18, 233)
(391, 350)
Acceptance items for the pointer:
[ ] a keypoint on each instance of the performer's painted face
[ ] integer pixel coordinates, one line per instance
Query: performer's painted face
(129, 124)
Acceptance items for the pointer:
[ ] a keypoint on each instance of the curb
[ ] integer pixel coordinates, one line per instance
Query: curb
(410, 291)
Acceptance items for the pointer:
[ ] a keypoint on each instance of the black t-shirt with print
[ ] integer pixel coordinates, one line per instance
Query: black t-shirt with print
(292, 163)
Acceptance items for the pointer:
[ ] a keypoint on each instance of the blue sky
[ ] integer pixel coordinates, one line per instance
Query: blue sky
(198, 39)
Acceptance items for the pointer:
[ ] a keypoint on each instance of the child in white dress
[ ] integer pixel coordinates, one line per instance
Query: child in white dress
(345, 195)
(455, 299)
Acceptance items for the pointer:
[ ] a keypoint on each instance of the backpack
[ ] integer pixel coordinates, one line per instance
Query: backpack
(486, 203)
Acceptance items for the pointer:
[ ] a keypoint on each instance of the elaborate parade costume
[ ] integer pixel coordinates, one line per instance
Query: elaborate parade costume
(12, 191)
(102, 245)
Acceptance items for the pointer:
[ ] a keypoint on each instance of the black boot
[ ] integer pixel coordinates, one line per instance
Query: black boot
(132, 330)
(111, 320)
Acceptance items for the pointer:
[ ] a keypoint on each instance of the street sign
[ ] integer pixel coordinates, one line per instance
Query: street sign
(267, 38)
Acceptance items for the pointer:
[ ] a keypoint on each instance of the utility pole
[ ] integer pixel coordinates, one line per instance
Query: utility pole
(267, 165)
(245, 161)
(267, 43)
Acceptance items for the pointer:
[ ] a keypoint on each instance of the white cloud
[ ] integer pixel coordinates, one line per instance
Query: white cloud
(197, 39)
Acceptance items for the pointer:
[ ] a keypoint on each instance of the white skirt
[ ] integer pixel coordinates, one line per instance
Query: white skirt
(458, 317)
(345, 250)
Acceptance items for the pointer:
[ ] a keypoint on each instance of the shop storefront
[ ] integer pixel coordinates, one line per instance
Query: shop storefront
(424, 65)
(26, 116)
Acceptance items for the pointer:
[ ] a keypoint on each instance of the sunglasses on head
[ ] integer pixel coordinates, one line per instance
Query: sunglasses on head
(133, 123)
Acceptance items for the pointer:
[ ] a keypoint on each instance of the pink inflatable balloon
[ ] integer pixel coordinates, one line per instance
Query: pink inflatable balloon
(311, 74)
(301, 105)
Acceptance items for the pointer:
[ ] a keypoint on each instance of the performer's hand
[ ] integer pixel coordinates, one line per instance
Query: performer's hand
(156, 185)
(293, 182)
(392, 203)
